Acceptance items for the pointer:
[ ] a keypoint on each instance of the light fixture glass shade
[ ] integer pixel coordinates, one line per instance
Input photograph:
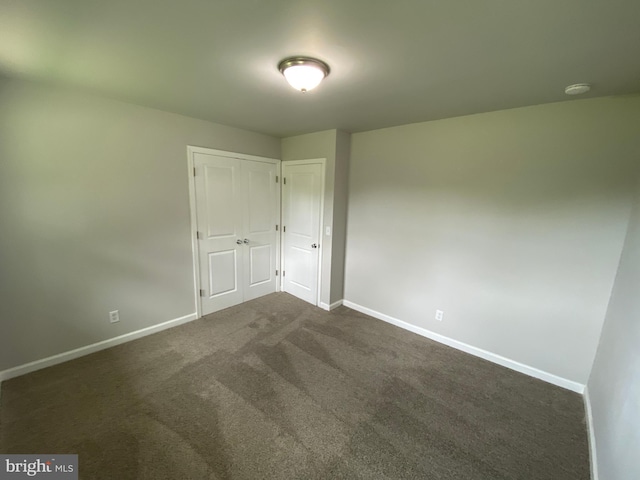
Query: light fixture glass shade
(303, 77)
(577, 89)
(303, 73)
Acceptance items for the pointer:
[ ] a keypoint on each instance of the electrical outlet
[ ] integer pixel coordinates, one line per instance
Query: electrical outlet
(439, 315)
(114, 316)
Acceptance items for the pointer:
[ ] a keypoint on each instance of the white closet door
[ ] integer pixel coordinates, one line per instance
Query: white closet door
(259, 228)
(219, 201)
(302, 199)
(237, 213)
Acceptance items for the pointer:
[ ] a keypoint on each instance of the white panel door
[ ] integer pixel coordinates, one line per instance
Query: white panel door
(260, 216)
(302, 200)
(218, 189)
(237, 205)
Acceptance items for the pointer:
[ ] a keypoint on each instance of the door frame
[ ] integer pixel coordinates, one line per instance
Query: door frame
(323, 162)
(195, 249)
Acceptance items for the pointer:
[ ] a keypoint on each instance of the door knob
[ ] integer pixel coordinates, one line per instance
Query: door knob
(315, 245)
(239, 242)
(246, 240)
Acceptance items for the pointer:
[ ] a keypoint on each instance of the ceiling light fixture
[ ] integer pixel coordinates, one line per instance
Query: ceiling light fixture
(303, 73)
(577, 89)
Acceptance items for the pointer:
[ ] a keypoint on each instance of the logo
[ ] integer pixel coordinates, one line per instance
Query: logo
(50, 467)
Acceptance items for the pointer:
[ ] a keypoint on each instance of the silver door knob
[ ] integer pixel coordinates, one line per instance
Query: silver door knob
(246, 240)
(239, 242)
(315, 245)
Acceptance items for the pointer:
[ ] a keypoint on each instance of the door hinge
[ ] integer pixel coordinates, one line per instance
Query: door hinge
(277, 178)
(284, 228)
(194, 171)
(276, 273)
(283, 273)
(284, 180)
(201, 292)
(276, 228)
(198, 236)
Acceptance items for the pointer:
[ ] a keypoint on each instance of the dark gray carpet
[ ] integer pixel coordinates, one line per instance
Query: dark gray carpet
(276, 388)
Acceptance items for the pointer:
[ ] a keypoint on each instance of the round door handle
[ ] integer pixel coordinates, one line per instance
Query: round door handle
(239, 242)
(315, 245)
(246, 240)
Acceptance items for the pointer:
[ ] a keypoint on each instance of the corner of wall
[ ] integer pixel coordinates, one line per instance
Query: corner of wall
(340, 208)
(593, 457)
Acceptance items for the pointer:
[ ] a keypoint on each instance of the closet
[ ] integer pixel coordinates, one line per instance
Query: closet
(236, 211)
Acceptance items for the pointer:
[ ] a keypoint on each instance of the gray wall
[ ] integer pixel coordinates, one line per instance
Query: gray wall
(94, 216)
(333, 146)
(341, 191)
(614, 385)
(512, 222)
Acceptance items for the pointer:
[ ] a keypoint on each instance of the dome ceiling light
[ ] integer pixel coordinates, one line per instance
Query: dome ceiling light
(303, 73)
(577, 89)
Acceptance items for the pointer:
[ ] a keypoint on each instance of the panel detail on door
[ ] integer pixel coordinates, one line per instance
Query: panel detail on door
(261, 266)
(301, 214)
(300, 269)
(220, 200)
(223, 266)
(260, 200)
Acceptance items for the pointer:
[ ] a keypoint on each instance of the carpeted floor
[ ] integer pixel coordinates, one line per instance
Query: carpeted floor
(276, 388)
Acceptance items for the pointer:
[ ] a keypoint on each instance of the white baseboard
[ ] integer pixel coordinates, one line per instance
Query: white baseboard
(593, 458)
(478, 352)
(328, 307)
(95, 347)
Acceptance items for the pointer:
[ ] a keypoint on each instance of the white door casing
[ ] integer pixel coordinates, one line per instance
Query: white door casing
(235, 206)
(302, 197)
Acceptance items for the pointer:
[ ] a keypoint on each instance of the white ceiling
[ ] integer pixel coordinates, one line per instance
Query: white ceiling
(392, 62)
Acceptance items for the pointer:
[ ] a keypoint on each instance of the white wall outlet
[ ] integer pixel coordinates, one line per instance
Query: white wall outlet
(327, 231)
(114, 316)
(439, 315)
